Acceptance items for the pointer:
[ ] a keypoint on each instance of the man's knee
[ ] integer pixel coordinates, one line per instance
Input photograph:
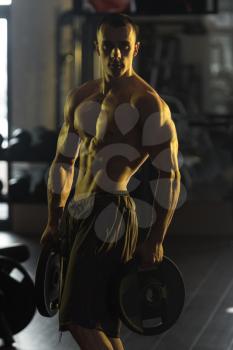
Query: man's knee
(90, 338)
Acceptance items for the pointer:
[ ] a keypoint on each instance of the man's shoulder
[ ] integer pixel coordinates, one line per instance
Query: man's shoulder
(77, 95)
(148, 101)
(143, 93)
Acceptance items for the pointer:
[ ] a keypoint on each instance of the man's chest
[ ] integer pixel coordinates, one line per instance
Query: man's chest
(107, 119)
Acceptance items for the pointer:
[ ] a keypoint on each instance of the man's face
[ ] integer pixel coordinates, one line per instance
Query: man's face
(116, 47)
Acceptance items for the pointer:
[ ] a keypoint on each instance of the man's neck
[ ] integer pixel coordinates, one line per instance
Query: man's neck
(109, 83)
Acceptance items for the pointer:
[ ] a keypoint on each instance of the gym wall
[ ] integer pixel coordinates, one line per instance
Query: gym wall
(33, 62)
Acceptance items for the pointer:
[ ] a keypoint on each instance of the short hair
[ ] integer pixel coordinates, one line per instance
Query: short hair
(118, 20)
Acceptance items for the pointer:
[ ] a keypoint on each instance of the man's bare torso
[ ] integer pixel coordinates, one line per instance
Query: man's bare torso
(110, 133)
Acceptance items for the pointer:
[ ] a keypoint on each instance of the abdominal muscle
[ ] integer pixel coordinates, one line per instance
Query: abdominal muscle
(100, 179)
(98, 175)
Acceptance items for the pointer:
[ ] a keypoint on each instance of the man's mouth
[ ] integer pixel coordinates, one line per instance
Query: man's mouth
(116, 65)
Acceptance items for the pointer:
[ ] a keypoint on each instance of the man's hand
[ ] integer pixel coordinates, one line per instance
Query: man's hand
(149, 253)
(50, 234)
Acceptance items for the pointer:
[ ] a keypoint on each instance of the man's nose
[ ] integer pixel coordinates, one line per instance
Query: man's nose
(116, 53)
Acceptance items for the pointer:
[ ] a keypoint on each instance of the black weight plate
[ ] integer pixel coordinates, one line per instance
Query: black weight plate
(150, 300)
(18, 297)
(47, 281)
(17, 251)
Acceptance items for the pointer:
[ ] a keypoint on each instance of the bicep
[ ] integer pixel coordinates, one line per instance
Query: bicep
(68, 145)
(159, 140)
(69, 140)
(166, 158)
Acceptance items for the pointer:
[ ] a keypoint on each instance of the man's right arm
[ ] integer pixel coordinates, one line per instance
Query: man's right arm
(61, 171)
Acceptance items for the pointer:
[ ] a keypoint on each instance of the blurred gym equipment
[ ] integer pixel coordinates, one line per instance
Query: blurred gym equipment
(17, 297)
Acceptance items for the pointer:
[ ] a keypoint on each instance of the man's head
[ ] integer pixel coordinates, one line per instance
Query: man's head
(117, 44)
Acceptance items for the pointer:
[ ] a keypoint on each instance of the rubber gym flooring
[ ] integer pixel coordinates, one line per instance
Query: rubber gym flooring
(207, 319)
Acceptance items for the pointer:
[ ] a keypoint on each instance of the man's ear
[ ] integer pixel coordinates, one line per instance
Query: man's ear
(97, 47)
(136, 48)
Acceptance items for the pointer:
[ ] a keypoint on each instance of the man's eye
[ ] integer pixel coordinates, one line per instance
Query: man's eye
(125, 47)
(106, 47)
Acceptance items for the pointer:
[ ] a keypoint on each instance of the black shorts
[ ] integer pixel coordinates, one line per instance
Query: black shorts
(101, 232)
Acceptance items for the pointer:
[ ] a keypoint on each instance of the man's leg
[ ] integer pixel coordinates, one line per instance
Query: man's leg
(91, 339)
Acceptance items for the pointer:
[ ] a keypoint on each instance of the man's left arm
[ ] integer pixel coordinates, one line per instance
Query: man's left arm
(159, 140)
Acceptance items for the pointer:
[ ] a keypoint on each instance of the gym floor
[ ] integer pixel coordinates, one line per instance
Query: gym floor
(207, 319)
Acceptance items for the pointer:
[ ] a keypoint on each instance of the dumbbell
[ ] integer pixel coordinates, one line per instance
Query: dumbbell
(17, 293)
(148, 301)
(19, 188)
(19, 145)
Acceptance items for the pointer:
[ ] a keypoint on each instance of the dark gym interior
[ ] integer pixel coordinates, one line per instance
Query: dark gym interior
(186, 55)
